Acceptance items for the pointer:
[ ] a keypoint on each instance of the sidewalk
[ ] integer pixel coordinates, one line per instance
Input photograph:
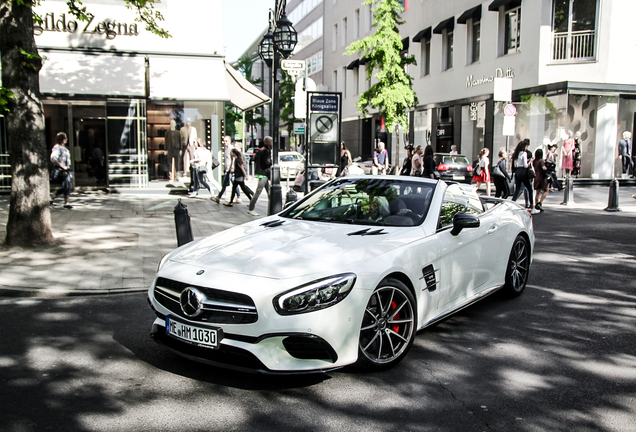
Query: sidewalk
(112, 243)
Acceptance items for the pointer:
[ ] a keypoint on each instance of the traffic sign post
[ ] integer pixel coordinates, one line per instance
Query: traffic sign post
(324, 114)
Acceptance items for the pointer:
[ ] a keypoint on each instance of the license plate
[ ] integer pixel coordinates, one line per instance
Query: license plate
(203, 337)
(458, 177)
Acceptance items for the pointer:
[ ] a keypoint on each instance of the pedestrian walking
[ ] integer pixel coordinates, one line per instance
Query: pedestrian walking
(428, 166)
(238, 169)
(500, 175)
(417, 162)
(345, 161)
(227, 177)
(521, 164)
(62, 172)
(482, 174)
(262, 171)
(407, 164)
(541, 185)
(200, 165)
(380, 160)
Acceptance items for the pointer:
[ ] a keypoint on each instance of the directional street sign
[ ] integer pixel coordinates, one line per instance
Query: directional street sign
(293, 65)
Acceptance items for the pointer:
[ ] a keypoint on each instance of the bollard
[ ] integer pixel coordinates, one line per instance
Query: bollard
(568, 191)
(182, 223)
(612, 202)
(291, 195)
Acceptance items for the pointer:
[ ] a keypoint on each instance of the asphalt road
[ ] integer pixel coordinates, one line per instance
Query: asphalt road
(562, 357)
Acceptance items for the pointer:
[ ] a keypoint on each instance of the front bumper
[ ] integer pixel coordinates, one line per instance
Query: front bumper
(317, 341)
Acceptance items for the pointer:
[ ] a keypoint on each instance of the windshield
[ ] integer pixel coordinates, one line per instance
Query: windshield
(453, 159)
(290, 157)
(362, 201)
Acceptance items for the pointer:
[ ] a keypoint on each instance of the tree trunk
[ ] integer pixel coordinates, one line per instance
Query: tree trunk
(29, 214)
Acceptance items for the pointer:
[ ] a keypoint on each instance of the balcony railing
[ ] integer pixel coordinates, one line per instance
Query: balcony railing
(574, 46)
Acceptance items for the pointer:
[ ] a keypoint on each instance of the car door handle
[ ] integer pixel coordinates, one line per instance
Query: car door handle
(492, 229)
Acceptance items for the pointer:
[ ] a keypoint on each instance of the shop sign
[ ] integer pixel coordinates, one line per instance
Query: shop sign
(473, 111)
(509, 126)
(499, 73)
(445, 131)
(111, 29)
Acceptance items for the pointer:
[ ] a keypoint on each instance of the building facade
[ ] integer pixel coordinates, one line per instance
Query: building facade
(129, 100)
(570, 63)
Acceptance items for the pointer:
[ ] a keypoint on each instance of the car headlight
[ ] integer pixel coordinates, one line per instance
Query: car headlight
(316, 295)
(162, 262)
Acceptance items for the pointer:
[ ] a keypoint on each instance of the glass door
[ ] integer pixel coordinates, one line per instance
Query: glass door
(88, 145)
(127, 147)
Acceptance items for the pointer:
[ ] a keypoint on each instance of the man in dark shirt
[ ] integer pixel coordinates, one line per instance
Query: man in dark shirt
(263, 166)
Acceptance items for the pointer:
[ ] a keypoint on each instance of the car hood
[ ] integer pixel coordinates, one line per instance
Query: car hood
(293, 249)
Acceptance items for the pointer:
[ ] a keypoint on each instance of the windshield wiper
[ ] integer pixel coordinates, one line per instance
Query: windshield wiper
(272, 224)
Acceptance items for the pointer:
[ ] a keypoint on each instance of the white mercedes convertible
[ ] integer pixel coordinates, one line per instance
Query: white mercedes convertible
(346, 275)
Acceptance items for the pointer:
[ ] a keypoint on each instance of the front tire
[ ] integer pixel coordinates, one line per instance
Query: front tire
(518, 268)
(388, 326)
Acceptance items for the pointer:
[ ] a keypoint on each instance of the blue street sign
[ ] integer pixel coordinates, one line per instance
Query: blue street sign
(324, 103)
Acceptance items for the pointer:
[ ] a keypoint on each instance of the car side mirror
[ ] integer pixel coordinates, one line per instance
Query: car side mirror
(463, 220)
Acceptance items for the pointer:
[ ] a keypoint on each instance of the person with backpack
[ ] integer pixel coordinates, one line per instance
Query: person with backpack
(263, 160)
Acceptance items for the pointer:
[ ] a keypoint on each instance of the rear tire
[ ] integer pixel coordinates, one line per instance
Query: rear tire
(518, 268)
(388, 326)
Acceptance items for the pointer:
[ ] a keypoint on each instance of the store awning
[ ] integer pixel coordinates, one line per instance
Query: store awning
(92, 73)
(494, 6)
(187, 78)
(447, 24)
(472, 13)
(423, 34)
(243, 93)
(405, 44)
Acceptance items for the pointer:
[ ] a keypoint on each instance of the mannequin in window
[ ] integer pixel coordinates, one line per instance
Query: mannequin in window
(576, 164)
(173, 147)
(567, 153)
(625, 152)
(188, 140)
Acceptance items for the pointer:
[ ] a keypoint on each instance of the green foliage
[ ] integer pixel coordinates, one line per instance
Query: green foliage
(32, 60)
(287, 89)
(393, 94)
(5, 98)
(254, 116)
(232, 115)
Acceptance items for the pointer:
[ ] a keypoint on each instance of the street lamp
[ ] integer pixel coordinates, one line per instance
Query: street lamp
(280, 39)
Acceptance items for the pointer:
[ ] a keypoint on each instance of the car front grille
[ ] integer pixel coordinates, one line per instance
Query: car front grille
(220, 307)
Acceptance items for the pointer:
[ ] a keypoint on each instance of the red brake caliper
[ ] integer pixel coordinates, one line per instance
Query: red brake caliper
(395, 327)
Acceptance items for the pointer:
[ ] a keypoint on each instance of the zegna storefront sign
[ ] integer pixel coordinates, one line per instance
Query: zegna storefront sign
(499, 73)
(111, 29)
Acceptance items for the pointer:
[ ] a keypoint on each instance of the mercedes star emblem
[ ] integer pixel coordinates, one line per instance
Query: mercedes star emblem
(191, 300)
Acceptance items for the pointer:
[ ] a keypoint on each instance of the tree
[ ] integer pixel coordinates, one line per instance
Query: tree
(393, 94)
(29, 221)
(253, 116)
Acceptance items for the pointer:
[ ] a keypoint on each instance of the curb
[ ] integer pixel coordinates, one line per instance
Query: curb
(57, 293)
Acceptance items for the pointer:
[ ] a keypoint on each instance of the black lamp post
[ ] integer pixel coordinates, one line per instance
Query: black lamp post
(279, 42)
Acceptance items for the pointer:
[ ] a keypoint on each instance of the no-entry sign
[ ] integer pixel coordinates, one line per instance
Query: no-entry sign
(510, 110)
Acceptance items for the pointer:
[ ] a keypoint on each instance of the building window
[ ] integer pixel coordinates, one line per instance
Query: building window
(369, 13)
(512, 30)
(425, 63)
(447, 59)
(314, 63)
(334, 80)
(309, 34)
(344, 82)
(574, 30)
(301, 11)
(474, 41)
(356, 24)
(356, 81)
(344, 32)
(334, 38)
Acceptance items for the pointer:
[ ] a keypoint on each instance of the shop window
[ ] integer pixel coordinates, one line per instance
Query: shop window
(448, 40)
(574, 30)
